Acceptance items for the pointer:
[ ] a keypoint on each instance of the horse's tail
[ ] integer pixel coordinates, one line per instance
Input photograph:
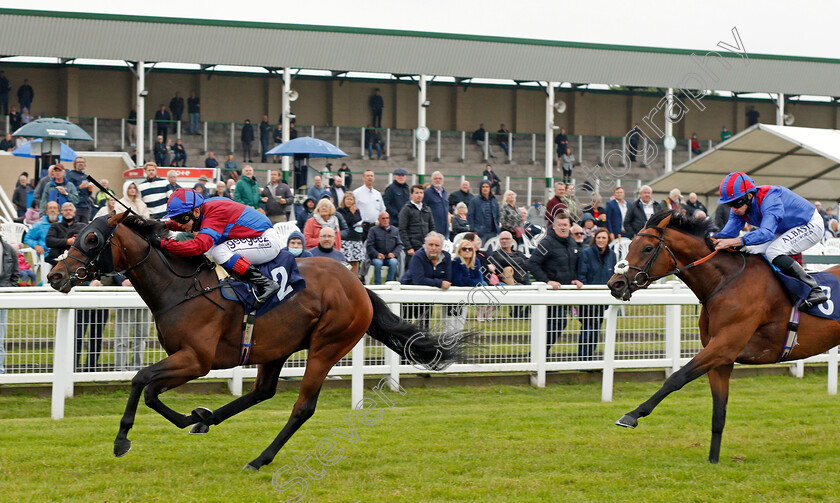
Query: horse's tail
(417, 344)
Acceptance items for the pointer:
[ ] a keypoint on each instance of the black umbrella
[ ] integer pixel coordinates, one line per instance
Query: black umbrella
(52, 127)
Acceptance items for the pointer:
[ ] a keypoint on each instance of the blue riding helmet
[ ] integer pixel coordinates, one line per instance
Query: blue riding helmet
(183, 201)
(735, 185)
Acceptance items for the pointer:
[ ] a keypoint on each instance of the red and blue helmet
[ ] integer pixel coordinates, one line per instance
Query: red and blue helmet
(183, 201)
(734, 186)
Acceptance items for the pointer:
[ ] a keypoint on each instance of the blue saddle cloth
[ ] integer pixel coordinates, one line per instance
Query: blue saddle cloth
(829, 284)
(283, 269)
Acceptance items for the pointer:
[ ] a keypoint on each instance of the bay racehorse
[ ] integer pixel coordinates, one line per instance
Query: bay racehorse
(745, 309)
(200, 330)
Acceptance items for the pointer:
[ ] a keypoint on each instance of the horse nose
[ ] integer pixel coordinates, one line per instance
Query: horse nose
(55, 279)
(618, 285)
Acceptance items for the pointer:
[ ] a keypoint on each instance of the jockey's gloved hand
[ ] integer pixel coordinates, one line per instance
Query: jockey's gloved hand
(157, 241)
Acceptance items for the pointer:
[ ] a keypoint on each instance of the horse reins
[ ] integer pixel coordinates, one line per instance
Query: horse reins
(643, 271)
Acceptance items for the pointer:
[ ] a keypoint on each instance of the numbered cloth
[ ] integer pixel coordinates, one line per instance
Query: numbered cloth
(829, 284)
(283, 270)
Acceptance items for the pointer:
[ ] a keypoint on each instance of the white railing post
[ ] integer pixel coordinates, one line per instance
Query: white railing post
(392, 359)
(122, 134)
(486, 146)
(603, 150)
(832, 371)
(710, 145)
(232, 136)
(689, 150)
(510, 147)
(437, 158)
(533, 148)
(644, 152)
(623, 149)
(235, 381)
(539, 326)
(337, 135)
(62, 386)
(205, 137)
(358, 378)
(507, 183)
(152, 136)
(388, 142)
(580, 149)
(672, 337)
(609, 353)
(178, 130)
(797, 369)
(95, 133)
(413, 147)
(529, 201)
(463, 146)
(362, 144)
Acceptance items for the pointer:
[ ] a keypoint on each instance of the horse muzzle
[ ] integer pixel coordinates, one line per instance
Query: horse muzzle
(620, 287)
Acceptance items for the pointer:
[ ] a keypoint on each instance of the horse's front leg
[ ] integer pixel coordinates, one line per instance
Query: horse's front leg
(714, 355)
(719, 382)
(171, 372)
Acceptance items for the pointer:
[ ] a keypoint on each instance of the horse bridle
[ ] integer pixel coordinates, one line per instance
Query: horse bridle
(643, 279)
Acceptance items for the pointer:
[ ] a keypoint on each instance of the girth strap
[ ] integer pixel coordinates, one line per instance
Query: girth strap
(247, 336)
(792, 329)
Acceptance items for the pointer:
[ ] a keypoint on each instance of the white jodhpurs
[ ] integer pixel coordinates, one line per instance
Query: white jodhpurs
(257, 250)
(793, 241)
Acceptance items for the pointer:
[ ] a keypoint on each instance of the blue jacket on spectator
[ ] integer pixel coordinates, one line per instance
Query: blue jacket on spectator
(595, 268)
(77, 177)
(422, 272)
(483, 213)
(302, 214)
(439, 205)
(304, 252)
(37, 235)
(461, 276)
(614, 220)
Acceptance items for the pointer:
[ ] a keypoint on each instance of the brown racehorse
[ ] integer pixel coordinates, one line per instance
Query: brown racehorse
(200, 330)
(745, 310)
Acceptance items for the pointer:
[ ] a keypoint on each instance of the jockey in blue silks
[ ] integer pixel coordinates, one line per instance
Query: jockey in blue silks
(785, 224)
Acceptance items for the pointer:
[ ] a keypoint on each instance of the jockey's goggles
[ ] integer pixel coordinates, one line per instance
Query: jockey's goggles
(739, 202)
(183, 218)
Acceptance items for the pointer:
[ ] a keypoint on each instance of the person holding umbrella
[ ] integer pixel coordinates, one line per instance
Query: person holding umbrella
(58, 189)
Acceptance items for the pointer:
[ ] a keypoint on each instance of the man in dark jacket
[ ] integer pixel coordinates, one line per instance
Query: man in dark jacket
(436, 198)
(461, 196)
(396, 195)
(511, 265)
(693, 205)
(162, 119)
(25, 96)
(555, 262)
(430, 266)
(415, 221)
(304, 212)
(639, 212)
(265, 134)
(383, 248)
(279, 198)
(376, 104)
(78, 178)
(484, 213)
(63, 233)
(721, 216)
(176, 106)
(247, 140)
(495, 181)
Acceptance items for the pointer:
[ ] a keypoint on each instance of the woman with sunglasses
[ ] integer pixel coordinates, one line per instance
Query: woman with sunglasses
(785, 224)
(232, 234)
(466, 266)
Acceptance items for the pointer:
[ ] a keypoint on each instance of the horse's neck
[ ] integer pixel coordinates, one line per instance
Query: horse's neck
(705, 278)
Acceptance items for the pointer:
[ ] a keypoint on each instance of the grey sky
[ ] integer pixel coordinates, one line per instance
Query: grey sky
(805, 28)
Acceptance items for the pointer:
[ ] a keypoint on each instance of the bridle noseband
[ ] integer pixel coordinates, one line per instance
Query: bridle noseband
(643, 279)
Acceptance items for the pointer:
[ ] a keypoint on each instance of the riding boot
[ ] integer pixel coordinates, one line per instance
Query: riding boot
(790, 267)
(264, 287)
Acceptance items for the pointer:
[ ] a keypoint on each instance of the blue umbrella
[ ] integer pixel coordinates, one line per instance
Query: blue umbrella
(25, 150)
(307, 146)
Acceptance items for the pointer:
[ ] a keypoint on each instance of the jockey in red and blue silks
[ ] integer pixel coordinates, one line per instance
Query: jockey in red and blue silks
(786, 224)
(235, 236)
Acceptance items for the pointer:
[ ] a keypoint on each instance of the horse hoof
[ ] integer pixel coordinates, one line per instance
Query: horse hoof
(199, 429)
(250, 468)
(121, 447)
(713, 461)
(203, 413)
(627, 421)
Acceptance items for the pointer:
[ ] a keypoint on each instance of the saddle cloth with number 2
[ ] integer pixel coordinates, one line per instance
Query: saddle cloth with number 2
(283, 269)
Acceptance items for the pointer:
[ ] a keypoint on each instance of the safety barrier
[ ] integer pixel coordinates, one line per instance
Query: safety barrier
(657, 329)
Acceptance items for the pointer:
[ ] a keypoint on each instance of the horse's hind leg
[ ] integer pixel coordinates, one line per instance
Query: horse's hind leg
(719, 382)
(317, 367)
(168, 373)
(264, 388)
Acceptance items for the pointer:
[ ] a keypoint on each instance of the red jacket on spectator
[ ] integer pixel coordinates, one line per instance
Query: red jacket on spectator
(552, 207)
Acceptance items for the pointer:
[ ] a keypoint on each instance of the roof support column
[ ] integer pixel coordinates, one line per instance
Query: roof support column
(549, 134)
(780, 109)
(421, 123)
(669, 130)
(140, 72)
(287, 110)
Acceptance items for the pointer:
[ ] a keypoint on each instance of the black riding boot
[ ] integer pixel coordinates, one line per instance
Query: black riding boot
(264, 287)
(791, 268)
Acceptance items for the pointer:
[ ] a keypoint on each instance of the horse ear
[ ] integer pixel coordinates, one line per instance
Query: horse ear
(665, 221)
(117, 219)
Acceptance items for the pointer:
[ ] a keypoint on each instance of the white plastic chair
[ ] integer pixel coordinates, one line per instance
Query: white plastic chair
(832, 242)
(285, 229)
(458, 237)
(620, 247)
(12, 232)
(492, 244)
(817, 249)
(448, 246)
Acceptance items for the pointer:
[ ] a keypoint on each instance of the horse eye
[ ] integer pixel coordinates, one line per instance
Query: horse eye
(648, 248)
(92, 240)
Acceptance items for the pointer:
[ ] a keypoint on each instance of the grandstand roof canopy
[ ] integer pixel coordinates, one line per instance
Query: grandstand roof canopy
(210, 42)
(806, 160)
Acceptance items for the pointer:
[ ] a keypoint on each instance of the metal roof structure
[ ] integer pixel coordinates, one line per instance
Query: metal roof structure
(806, 160)
(207, 42)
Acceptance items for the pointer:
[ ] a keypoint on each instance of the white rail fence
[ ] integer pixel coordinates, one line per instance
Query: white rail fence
(656, 330)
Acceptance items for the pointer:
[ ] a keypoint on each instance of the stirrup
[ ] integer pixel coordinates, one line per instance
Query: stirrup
(817, 299)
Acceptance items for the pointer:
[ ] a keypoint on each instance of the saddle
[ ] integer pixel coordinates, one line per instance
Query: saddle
(283, 269)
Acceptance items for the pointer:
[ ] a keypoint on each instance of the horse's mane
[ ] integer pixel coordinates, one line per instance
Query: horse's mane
(143, 226)
(698, 227)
